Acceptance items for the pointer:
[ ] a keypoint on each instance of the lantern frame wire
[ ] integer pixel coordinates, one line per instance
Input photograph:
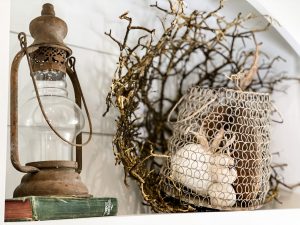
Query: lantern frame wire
(78, 98)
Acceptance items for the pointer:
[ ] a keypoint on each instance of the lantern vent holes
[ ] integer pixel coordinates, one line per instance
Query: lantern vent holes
(48, 58)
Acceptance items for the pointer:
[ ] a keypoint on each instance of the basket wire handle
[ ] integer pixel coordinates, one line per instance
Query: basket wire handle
(23, 44)
(190, 116)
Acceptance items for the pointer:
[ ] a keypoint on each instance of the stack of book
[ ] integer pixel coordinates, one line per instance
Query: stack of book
(34, 208)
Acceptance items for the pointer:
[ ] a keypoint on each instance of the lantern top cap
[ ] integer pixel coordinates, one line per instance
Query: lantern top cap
(48, 10)
(49, 30)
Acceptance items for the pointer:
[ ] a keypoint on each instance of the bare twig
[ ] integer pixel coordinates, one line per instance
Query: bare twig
(154, 74)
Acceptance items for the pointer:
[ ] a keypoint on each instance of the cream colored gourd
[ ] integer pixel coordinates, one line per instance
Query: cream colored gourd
(221, 195)
(221, 192)
(221, 174)
(190, 167)
(223, 160)
(206, 172)
(222, 169)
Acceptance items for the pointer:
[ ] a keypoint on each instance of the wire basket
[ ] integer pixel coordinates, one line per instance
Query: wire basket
(219, 150)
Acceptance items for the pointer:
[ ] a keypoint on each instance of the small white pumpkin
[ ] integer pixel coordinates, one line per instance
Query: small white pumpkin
(221, 195)
(223, 159)
(190, 166)
(221, 174)
(222, 169)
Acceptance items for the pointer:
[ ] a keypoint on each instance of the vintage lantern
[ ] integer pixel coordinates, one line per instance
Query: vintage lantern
(51, 123)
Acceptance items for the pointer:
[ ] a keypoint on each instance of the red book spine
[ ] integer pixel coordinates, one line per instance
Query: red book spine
(16, 210)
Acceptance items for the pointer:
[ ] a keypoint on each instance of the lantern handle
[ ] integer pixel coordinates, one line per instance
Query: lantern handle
(79, 97)
(14, 152)
(190, 116)
(71, 71)
(23, 43)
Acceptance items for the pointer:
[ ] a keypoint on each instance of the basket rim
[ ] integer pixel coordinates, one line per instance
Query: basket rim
(222, 89)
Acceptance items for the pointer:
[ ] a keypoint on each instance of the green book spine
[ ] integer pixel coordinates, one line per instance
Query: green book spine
(52, 208)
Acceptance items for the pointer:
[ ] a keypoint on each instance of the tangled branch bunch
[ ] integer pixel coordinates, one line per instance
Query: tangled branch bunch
(198, 48)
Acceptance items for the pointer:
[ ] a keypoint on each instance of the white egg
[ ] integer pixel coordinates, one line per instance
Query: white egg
(223, 174)
(190, 166)
(221, 195)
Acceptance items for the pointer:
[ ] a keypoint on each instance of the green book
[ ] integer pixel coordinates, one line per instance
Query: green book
(53, 208)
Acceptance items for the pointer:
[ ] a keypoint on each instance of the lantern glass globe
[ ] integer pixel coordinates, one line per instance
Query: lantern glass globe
(65, 116)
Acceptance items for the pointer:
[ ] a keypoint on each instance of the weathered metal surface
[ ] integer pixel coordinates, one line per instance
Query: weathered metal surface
(48, 29)
(55, 178)
(48, 52)
(14, 153)
(54, 164)
(48, 58)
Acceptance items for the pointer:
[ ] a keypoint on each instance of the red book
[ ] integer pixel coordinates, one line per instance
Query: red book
(18, 210)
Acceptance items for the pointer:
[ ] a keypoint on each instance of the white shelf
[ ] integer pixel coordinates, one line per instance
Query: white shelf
(274, 213)
(274, 217)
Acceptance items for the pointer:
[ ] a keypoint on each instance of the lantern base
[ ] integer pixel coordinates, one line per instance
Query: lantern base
(55, 178)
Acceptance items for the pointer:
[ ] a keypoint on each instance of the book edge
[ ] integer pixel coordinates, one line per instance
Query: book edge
(110, 208)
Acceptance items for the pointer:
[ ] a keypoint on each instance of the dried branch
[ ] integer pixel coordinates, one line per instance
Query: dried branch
(153, 75)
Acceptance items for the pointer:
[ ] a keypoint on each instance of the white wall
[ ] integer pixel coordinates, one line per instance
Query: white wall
(96, 59)
(4, 51)
(287, 14)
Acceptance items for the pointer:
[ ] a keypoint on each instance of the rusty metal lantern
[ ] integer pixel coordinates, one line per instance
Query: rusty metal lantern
(49, 59)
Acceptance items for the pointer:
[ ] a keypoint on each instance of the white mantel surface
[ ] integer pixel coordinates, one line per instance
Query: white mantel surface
(272, 217)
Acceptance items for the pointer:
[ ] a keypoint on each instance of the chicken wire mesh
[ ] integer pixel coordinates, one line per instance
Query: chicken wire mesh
(219, 150)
